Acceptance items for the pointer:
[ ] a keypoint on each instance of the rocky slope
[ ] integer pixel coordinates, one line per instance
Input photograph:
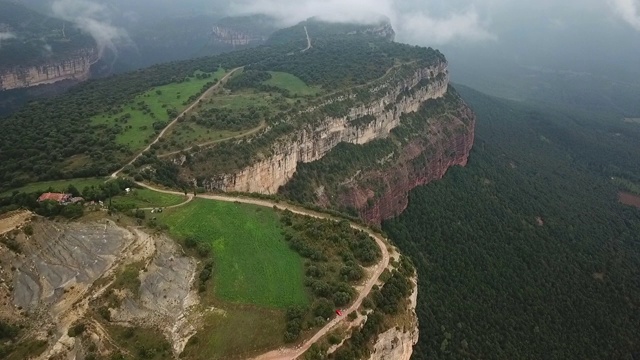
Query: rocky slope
(76, 67)
(311, 143)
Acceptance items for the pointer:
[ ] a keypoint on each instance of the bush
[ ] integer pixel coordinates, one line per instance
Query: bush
(76, 330)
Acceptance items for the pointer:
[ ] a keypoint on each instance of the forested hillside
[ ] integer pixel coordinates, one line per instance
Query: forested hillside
(525, 253)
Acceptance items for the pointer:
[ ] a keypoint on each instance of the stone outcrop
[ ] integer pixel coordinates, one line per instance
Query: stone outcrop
(397, 343)
(312, 142)
(446, 142)
(234, 37)
(76, 67)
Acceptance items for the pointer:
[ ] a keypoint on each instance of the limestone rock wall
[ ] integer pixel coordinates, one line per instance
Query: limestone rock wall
(76, 67)
(397, 343)
(235, 38)
(313, 142)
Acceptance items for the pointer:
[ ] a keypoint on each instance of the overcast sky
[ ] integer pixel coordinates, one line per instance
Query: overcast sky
(526, 28)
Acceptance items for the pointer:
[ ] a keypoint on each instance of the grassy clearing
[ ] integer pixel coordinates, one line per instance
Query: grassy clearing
(137, 128)
(145, 198)
(225, 334)
(292, 83)
(252, 262)
(58, 185)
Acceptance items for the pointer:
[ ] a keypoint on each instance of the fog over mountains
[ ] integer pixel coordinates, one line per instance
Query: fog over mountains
(483, 40)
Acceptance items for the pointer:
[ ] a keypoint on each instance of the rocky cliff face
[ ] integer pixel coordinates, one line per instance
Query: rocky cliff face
(313, 142)
(76, 67)
(397, 343)
(446, 142)
(235, 38)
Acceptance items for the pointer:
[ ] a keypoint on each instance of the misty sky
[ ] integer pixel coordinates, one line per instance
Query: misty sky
(526, 30)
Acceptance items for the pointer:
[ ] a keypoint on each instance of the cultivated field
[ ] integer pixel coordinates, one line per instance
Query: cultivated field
(253, 265)
(136, 119)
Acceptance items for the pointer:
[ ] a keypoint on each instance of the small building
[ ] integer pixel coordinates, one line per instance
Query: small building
(57, 197)
(76, 200)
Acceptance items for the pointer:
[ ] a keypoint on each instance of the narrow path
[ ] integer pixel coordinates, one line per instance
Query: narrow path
(188, 109)
(308, 40)
(292, 353)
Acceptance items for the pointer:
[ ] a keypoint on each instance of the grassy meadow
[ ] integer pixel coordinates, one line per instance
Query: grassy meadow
(292, 83)
(253, 265)
(151, 107)
(145, 198)
(236, 332)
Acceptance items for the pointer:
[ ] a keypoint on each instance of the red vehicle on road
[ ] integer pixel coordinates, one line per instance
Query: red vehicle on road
(339, 312)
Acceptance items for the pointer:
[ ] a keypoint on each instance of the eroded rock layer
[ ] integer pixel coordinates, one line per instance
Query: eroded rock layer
(77, 67)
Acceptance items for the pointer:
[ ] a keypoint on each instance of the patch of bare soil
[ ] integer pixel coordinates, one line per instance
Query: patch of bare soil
(13, 220)
(629, 199)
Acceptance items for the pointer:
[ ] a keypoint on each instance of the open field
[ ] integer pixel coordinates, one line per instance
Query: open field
(136, 119)
(145, 198)
(225, 334)
(629, 199)
(58, 185)
(253, 265)
(292, 83)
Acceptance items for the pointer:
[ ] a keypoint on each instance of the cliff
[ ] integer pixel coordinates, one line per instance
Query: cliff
(234, 37)
(312, 142)
(76, 67)
(445, 142)
(397, 343)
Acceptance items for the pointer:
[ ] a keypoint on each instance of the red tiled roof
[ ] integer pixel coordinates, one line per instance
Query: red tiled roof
(59, 197)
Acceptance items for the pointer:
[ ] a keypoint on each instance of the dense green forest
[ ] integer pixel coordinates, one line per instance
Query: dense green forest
(525, 253)
(36, 37)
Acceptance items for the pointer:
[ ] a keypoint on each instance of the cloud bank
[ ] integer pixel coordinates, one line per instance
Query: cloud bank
(628, 10)
(412, 20)
(93, 19)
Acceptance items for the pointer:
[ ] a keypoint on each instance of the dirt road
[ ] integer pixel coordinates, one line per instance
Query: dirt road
(308, 40)
(193, 105)
(292, 353)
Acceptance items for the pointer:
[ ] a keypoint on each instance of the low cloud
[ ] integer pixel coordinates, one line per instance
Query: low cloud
(420, 28)
(628, 10)
(5, 36)
(93, 19)
(412, 23)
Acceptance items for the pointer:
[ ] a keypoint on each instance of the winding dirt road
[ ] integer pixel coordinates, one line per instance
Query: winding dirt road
(292, 353)
(308, 40)
(188, 109)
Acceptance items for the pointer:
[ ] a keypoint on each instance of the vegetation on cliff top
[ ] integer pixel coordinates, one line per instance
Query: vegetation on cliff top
(76, 147)
(525, 253)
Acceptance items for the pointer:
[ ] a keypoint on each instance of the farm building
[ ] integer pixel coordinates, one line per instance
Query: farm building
(57, 197)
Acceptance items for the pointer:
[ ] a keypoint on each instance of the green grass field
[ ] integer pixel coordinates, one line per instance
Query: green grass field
(58, 185)
(145, 198)
(226, 335)
(292, 83)
(139, 127)
(253, 265)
